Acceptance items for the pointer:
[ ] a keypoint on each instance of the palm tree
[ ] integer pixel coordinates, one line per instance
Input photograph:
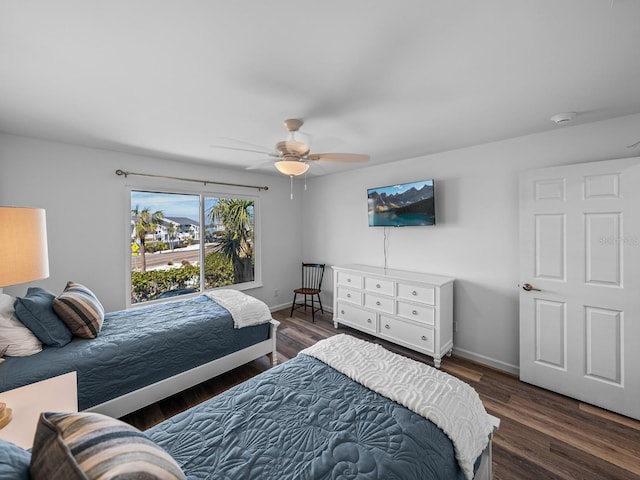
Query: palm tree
(145, 222)
(172, 229)
(236, 242)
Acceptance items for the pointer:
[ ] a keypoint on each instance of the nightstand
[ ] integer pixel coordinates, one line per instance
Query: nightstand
(57, 394)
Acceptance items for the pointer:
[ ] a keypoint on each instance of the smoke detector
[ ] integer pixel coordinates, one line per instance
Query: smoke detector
(560, 118)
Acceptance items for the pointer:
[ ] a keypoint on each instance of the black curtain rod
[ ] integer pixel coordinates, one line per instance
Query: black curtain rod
(204, 182)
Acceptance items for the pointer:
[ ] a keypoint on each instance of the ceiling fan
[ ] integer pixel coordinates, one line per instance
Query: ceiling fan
(293, 155)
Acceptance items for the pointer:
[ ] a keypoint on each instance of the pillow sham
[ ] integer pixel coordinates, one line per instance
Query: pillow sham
(80, 309)
(35, 311)
(91, 445)
(17, 339)
(14, 461)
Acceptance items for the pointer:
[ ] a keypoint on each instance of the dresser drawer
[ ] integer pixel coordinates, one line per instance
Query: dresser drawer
(417, 293)
(407, 333)
(419, 313)
(382, 304)
(350, 279)
(377, 285)
(350, 295)
(357, 317)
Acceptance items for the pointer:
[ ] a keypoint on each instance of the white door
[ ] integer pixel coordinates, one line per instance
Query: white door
(580, 282)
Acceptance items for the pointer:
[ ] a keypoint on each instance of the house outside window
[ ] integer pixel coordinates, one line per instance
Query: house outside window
(183, 243)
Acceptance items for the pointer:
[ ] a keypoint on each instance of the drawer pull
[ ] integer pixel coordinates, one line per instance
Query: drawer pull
(415, 312)
(342, 312)
(387, 326)
(348, 280)
(377, 285)
(378, 303)
(368, 320)
(348, 295)
(424, 338)
(414, 293)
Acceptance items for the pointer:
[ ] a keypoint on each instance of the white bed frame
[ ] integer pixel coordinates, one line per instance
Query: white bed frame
(485, 470)
(130, 402)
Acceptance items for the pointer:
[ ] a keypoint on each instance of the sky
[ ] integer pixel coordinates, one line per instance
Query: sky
(170, 204)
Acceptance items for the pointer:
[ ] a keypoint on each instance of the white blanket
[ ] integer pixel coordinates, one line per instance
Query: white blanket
(451, 404)
(245, 309)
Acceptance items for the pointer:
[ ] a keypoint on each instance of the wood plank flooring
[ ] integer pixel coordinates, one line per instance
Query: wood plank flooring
(543, 435)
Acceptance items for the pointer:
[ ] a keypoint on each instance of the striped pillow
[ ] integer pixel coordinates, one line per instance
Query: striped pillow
(85, 446)
(80, 309)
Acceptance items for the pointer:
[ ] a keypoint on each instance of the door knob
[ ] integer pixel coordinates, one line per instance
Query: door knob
(528, 287)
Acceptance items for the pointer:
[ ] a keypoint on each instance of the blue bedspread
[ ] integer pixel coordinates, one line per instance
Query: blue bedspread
(136, 348)
(305, 420)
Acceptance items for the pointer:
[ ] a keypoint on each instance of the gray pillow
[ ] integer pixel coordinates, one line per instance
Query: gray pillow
(14, 461)
(35, 311)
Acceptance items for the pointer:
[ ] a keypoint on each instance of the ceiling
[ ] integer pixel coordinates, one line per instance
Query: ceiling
(394, 79)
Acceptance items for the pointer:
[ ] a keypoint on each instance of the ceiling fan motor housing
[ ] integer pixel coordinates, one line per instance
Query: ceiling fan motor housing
(292, 147)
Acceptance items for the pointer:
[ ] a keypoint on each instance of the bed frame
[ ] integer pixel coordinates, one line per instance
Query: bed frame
(155, 392)
(485, 470)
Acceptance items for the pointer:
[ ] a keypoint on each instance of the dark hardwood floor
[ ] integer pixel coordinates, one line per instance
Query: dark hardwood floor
(542, 435)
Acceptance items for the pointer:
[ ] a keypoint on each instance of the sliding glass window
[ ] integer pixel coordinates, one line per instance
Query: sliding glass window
(187, 243)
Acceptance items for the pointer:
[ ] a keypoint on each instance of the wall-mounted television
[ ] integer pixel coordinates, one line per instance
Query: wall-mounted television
(402, 205)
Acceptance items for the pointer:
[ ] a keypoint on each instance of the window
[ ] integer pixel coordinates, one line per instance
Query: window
(186, 243)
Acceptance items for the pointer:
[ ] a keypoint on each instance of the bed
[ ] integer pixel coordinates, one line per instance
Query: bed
(309, 419)
(342, 409)
(144, 354)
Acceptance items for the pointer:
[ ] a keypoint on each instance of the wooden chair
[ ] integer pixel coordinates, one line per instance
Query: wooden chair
(312, 274)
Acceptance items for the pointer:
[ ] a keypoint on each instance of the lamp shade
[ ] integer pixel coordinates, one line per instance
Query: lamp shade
(292, 168)
(23, 245)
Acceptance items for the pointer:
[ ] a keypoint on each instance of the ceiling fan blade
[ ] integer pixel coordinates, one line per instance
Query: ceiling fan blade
(261, 152)
(339, 157)
(260, 165)
(246, 144)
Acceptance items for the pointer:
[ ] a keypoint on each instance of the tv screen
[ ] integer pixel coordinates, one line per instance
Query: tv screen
(407, 204)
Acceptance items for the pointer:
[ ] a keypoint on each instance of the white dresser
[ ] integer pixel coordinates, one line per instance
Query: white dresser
(408, 308)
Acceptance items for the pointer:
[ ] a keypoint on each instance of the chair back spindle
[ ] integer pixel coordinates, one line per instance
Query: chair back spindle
(312, 274)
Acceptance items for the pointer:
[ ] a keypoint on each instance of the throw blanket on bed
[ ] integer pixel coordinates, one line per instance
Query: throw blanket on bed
(245, 309)
(441, 398)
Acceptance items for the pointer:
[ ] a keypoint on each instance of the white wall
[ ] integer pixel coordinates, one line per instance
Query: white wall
(87, 206)
(476, 237)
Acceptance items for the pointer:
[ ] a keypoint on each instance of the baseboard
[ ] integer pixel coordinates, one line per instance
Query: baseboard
(491, 362)
(275, 308)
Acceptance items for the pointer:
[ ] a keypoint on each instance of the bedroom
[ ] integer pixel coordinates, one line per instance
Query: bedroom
(86, 202)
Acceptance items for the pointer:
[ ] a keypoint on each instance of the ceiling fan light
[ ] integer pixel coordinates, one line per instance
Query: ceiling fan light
(292, 168)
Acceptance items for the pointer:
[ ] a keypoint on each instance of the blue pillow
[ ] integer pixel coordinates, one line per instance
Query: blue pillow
(35, 311)
(14, 461)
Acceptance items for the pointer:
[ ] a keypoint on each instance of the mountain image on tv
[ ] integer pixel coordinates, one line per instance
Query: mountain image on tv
(402, 205)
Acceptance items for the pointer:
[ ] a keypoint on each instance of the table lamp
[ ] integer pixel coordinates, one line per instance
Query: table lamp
(23, 255)
(23, 245)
